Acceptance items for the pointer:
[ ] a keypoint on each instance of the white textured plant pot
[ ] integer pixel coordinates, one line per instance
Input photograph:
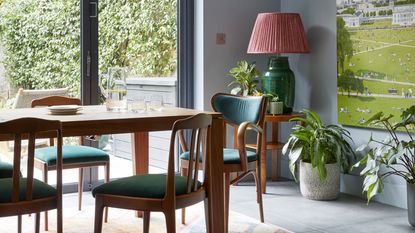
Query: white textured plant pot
(312, 188)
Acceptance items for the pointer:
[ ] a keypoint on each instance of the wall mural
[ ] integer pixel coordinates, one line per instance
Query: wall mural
(375, 58)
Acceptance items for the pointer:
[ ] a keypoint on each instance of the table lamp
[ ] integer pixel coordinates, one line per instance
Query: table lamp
(278, 33)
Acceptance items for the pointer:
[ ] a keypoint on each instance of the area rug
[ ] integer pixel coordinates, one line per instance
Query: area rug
(124, 221)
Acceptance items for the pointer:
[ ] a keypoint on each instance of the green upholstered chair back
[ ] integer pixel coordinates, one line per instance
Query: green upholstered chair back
(237, 109)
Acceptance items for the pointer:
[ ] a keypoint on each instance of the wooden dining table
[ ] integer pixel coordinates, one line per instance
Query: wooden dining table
(96, 120)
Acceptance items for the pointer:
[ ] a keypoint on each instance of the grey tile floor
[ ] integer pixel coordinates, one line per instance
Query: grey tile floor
(285, 207)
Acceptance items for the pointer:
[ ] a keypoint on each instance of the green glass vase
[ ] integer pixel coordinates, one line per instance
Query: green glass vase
(279, 80)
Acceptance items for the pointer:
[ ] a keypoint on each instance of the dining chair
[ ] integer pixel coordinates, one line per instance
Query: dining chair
(160, 192)
(244, 113)
(23, 99)
(74, 156)
(25, 195)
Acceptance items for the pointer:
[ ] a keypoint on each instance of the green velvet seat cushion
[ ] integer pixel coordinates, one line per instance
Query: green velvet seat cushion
(40, 189)
(230, 156)
(146, 186)
(6, 170)
(71, 154)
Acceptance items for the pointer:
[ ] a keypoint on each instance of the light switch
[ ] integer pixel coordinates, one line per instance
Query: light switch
(220, 38)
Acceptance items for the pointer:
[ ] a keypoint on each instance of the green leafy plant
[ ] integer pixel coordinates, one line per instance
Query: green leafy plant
(272, 97)
(245, 75)
(41, 40)
(393, 153)
(318, 144)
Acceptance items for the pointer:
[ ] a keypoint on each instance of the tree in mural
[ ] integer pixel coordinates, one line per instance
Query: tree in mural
(347, 82)
(344, 45)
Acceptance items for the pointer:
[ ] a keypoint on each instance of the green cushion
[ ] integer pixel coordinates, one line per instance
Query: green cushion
(6, 170)
(71, 154)
(40, 189)
(238, 109)
(230, 156)
(146, 186)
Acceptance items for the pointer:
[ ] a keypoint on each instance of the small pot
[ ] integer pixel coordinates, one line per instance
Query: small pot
(275, 108)
(312, 188)
(410, 196)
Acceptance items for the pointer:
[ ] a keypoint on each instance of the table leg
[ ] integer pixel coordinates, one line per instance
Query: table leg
(263, 175)
(274, 152)
(139, 143)
(216, 210)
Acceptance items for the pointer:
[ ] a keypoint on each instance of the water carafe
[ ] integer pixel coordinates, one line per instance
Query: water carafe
(116, 89)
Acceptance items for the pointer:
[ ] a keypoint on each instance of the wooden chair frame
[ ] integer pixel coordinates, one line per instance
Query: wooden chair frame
(63, 100)
(200, 127)
(244, 167)
(30, 128)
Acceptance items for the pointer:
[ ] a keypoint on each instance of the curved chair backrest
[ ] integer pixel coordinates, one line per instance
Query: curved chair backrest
(30, 128)
(198, 127)
(237, 109)
(55, 100)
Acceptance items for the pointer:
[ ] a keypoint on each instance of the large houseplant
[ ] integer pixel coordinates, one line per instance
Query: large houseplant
(394, 155)
(321, 151)
(245, 75)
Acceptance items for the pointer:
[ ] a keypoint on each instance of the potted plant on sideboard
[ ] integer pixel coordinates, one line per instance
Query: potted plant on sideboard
(245, 75)
(275, 106)
(322, 151)
(394, 153)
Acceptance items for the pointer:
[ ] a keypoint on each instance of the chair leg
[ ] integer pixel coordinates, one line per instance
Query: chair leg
(59, 216)
(146, 222)
(37, 222)
(207, 217)
(99, 208)
(80, 187)
(183, 172)
(19, 223)
(170, 221)
(259, 196)
(107, 179)
(45, 179)
(226, 187)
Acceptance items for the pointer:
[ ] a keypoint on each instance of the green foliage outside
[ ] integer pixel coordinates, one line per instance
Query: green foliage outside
(41, 43)
(140, 35)
(41, 40)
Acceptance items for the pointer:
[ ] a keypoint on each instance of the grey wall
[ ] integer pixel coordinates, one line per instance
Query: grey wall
(315, 72)
(235, 18)
(316, 87)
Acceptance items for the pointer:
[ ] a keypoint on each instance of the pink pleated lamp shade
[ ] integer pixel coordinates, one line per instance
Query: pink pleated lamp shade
(277, 33)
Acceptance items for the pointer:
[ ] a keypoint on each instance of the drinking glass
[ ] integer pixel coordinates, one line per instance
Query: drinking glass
(137, 105)
(156, 103)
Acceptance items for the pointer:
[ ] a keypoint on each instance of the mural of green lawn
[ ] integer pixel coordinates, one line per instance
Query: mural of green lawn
(354, 110)
(383, 61)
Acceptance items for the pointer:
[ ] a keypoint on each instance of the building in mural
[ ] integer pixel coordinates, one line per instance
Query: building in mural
(375, 58)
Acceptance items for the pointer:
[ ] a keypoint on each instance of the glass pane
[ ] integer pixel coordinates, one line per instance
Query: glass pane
(141, 36)
(39, 56)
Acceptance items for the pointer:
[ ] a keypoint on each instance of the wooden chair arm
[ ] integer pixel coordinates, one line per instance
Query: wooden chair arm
(243, 127)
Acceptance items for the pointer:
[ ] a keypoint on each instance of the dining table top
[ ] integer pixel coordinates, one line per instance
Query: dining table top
(95, 119)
